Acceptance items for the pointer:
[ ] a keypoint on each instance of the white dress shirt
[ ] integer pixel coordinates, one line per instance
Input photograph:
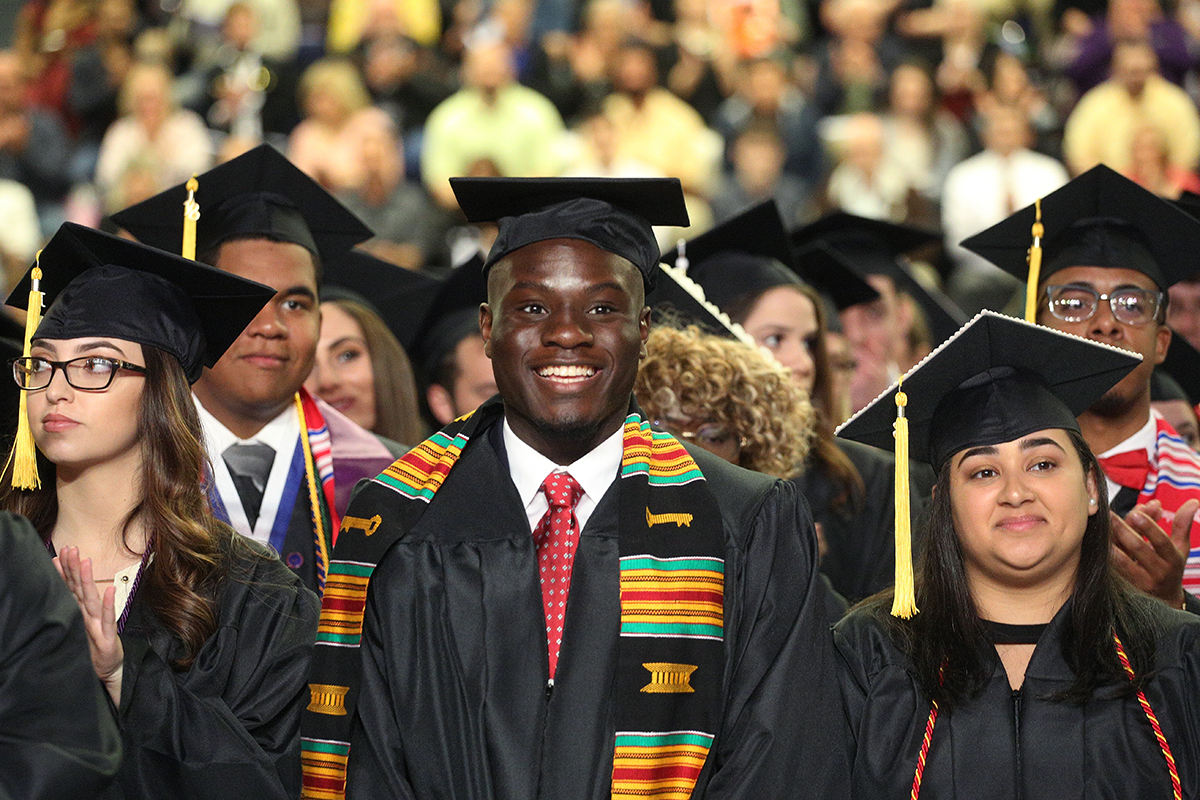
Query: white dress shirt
(594, 472)
(281, 435)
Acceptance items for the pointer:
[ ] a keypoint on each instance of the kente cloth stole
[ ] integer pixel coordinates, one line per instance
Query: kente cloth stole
(670, 671)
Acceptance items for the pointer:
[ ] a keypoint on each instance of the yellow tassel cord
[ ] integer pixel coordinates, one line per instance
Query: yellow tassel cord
(25, 471)
(904, 601)
(1035, 264)
(191, 215)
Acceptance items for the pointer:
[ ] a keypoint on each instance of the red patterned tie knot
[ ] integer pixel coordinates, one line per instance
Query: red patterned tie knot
(556, 538)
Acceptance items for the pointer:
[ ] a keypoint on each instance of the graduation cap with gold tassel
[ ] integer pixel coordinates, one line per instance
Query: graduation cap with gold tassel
(101, 285)
(1099, 219)
(995, 380)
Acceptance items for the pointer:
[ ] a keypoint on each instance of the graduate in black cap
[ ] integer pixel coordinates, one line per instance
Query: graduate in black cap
(1106, 252)
(746, 267)
(1022, 665)
(361, 369)
(888, 334)
(261, 218)
(443, 337)
(463, 669)
(201, 638)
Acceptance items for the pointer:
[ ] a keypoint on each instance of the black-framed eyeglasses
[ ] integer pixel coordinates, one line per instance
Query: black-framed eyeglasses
(87, 373)
(1131, 305)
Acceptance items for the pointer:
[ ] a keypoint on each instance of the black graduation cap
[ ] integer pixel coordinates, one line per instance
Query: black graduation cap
(445, 317)
(1189, 202)
(832, 274)
(1099, 219)
(1182, 364)
(677, 299)
(994, 381)
(614, 214)
(391, 291)
(747, 254)
(259, 194)
(874, 247)
(100, 285)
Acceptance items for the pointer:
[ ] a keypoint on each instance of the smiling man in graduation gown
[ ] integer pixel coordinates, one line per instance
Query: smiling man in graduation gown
(550, 599)
(281, 458)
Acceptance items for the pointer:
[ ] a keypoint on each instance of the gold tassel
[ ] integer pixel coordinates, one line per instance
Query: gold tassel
(191, 215)
(904, 601)
(25, 471)
(1035, 264)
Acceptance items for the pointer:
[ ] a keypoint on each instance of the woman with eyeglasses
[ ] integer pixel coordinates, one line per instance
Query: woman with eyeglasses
(726, 397)
(1018, 664)
(201, 637)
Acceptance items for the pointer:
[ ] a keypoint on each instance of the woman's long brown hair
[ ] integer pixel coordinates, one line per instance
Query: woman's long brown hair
(181, 583)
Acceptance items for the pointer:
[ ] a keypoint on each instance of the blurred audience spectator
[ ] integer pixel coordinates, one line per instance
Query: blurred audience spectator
(655, 127)
(409, 230)
(47, 36)
(34, 148)
(866, 182)
(407, 80)
(757, 175)
(576, 74)
(1150, 166)
(351, 22)
(920, 137)
(171, 141)
(97, 72)
(492, 118)
(20, 235)
(1102, 127)
(856, 59)
(1183, 312)
(984, 189)
(238, 90)
(277, 35)
(1090, 43)
(704, 57)
(596, 153)
(959, 26)
(766, 94)
(1009, 83)
(337, 115)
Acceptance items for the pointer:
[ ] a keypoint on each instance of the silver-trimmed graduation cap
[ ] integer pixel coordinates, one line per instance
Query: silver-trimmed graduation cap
(390, 291)
(1099, 219)
(259, 194)
(614, 214)
(995, 380)
(95, 284)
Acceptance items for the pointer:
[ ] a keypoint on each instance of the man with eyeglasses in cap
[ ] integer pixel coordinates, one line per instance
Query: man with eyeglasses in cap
(552, 599)
(1106, 253)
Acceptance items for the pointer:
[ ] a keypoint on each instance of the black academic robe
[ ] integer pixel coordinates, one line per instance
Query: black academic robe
(58, 738)
(1007, 744)
(455, 701)
(861, 559)
(229, 725)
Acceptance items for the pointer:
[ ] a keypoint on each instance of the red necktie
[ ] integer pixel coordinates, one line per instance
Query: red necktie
(556, 537)
(1127, 469)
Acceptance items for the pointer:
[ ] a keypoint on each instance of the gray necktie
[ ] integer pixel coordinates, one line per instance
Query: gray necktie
(249, 465)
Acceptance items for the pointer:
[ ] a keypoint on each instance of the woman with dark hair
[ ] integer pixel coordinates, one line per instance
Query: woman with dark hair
(363, 372)
(1020, 664)
(848, 486)
(201, 637)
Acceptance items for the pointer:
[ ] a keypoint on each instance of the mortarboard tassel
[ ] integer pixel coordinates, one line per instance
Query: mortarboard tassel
(191, 215)
(25, 471)
(904, 601)
(1035, 264)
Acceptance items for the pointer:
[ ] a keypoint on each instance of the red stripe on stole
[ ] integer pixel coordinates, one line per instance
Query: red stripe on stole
(649, 773)
(338, 604)
(331, 784)
(668, 596)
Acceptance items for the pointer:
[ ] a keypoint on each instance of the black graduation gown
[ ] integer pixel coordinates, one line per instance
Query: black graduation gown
(861, 559)
(58, 738)
(229, 726)
(454, 696)
(1007, 744)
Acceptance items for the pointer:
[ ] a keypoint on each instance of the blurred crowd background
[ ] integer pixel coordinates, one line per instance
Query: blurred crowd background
(943, 113)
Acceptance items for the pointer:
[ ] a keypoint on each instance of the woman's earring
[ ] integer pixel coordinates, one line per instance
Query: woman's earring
(1092, 501)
